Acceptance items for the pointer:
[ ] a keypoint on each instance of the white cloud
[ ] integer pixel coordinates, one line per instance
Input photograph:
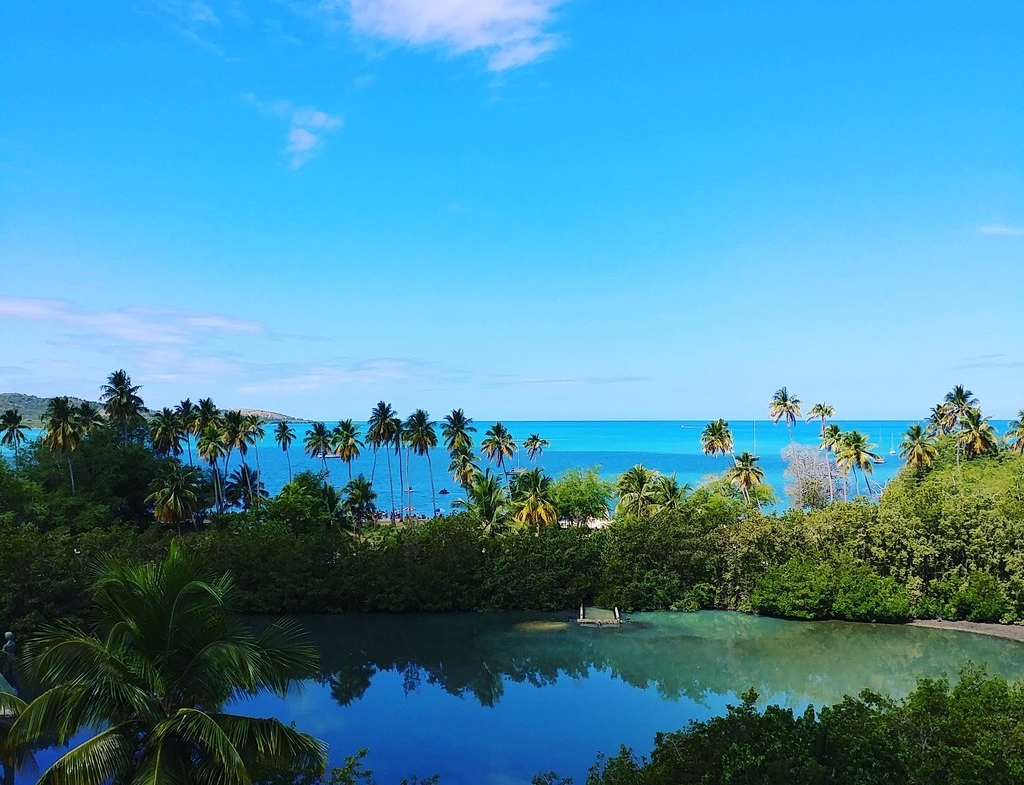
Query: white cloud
(201, 12)
(1015, 231)
(307, 127)
(138, 326)
(510, 32)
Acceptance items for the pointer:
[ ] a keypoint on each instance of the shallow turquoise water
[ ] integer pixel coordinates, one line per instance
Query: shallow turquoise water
(499, 697)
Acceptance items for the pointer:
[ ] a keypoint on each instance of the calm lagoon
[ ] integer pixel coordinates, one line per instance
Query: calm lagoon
(497, 698)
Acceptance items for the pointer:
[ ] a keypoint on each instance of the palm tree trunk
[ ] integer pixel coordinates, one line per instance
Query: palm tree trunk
(373, 468)
(433, 498)
(71, 474)
(401, 482)
(408, 456)
(391, 484)
(288, 455)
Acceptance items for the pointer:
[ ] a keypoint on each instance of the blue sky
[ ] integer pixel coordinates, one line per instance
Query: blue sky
(526, 208)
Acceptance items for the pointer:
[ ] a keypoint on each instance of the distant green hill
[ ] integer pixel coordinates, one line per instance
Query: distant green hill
(31, 407)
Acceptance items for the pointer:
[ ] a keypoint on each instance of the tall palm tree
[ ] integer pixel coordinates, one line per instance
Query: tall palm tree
(942, 420)
(62, 431)
(855, 453)
(463, 466)
(346, 442)
(420, 438)
(637, 491)
(12, 430)
(823, 412)
(745, 474)
(167, 432)
(359, 502)
(784, 406)
(457, 430)
(211, 448)
(716, 438)
(957, 401)
(831, 438)
(238, 436)
(151, 685)
(207, 414)
(498, 445)
(284, 435)
(188, 412)
(121, 402)
(318, 442)
(255, 426)
(977, 437)
(174, 494)
(1015, 434)
(532, 502)
(245, 487)
(918, 448)
(381, 431)
(89, 417)
(535, 446)
(485, 500)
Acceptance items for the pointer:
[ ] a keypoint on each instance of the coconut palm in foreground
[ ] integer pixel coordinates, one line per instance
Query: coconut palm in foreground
(151, 688)
(284, 435)
(784, 406)
(716, 438)
(12, 430)
(457, 430)
(823, 412)
(745, 474)
(121, 402)
(535, 446)
(918, 448)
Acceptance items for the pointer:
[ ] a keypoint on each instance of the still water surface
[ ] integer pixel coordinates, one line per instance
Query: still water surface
(497, 698)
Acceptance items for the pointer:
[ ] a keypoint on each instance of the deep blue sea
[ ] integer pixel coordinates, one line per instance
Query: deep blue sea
(612, 447)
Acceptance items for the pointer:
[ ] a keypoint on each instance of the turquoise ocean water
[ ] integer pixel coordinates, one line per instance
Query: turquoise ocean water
(670, 446)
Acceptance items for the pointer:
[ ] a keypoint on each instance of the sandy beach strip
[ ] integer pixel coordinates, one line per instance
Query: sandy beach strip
(1013, 632)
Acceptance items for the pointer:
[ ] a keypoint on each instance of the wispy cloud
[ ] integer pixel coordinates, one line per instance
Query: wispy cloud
(510, 32)
(1004, 229)
(307, 127)
(310, 377)
(136, 325)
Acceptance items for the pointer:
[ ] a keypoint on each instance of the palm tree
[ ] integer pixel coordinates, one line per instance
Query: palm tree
(823, 412)
(716, 439)
(636, 489)
(188, 412)
(167, 432)
(121, 402)
(532, 503)
(463, 466)
(207, 414)
(12, 430)
(359, 502)
(831, 438)
(498, 445)
(456, 430)
(420, 437)
(254, 426)
(62, 431)
(150, 687)
(245, 487)
(486, 500)
(1015, 434)
(346, 442)
(669, 495)
(237, 436)
(380, 432)
(174, 494)
(745, 474)
(957, 401)
(211, 448)
(855, 453)
(784, 406)
(89, 417)
(942, 420)
(318, 442)
(977, 437)
(535, 446)
(284, 435)
(918, 448)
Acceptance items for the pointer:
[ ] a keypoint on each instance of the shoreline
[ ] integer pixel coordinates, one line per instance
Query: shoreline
(1013, 632)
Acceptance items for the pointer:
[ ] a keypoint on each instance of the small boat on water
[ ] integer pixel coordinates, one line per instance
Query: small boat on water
(443, 492)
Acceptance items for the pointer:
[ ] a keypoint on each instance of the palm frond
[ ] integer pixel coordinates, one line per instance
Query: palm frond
(100, 759)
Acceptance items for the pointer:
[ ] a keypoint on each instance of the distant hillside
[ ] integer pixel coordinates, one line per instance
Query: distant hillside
(31, 408)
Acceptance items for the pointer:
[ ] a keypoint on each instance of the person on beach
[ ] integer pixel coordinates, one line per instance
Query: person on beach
(7, 659)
